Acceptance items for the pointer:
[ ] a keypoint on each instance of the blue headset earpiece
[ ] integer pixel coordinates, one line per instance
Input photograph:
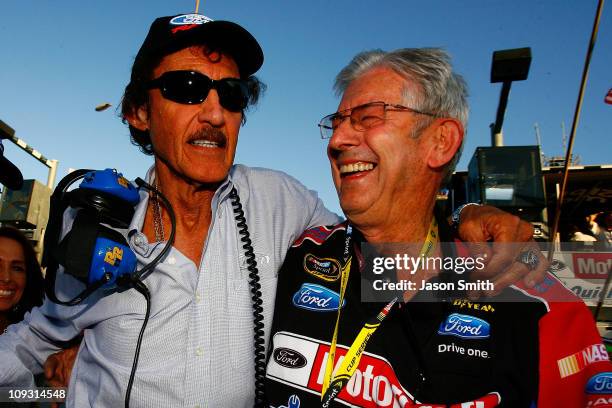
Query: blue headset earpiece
(92, 251)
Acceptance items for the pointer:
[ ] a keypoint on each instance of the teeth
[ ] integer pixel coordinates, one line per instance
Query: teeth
(204, 143)
(7, 292)
(354, 167)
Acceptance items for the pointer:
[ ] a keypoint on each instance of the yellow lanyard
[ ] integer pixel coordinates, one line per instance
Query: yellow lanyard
(333, 386)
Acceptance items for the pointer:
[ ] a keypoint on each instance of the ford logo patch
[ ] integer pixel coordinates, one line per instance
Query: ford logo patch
(289, 358)
(316, 298)
(600, 384)
(464, 326)
(190, 19)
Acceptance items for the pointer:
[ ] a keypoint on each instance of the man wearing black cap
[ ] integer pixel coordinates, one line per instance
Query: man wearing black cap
(191, 83)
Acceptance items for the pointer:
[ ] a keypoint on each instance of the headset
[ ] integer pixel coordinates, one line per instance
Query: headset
(92, 251)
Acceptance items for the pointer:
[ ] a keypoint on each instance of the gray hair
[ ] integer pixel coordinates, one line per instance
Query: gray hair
(441, 91)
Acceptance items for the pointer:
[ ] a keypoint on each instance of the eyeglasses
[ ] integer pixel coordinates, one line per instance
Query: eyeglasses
(362, 117)
(190, 87)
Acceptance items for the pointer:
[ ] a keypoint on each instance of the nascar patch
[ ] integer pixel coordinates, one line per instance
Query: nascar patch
(327, 269)
(575, 363)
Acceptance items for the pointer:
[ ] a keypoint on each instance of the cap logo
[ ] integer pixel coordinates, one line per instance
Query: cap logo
(190, 19)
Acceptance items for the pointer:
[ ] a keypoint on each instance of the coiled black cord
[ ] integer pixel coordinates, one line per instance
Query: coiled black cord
(258, 325)
(142, 288)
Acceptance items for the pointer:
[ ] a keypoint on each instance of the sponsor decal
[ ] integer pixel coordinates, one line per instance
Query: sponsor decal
(466, 304)
(261, 258)
(604, 402)
(293, 402)
(464, 326)
(374, 383)
(491, 400)
(317, 298)
(593, 265)
(188, 19)
(600, 384)
(464, 351)
(327, 269)
(578, 361)
(289, 358)
(114, 257)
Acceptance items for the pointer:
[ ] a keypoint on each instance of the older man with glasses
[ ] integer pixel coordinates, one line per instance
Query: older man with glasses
(212, 296)
(355, 325)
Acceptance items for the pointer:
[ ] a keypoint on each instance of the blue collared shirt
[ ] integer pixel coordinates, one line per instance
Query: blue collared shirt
(197, 349)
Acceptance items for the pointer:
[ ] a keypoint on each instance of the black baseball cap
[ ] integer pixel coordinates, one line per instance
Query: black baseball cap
(173, 33)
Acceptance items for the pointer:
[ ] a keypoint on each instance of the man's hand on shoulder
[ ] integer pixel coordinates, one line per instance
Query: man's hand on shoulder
(58, 366)
(504, 263)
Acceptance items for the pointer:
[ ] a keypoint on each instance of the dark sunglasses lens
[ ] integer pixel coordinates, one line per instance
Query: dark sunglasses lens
(233, 94)
(185, 87)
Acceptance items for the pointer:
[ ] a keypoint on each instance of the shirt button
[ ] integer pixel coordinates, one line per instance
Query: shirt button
(171, 260)
(198, 298)
(199, 351)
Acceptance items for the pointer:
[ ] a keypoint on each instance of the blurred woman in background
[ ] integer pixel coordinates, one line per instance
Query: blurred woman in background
(21, 280)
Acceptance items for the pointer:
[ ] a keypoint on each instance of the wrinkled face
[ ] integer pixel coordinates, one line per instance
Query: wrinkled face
(376, 169)
(12, 273)
(197, 142)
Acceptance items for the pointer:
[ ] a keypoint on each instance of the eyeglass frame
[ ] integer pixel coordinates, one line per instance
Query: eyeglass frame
(342, 114)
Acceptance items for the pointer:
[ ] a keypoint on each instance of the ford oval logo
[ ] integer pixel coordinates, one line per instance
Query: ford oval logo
(316, 298)
(190, 19)
(289, 358)
(464, 326)
(600, 384)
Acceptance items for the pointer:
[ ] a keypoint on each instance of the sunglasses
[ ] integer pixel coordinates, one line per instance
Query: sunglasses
(190, 87)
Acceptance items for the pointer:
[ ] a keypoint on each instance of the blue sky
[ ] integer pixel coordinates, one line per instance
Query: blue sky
(60, 58)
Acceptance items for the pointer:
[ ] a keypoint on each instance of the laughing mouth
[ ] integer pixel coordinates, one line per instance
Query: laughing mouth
(354, 168)
(6, 293)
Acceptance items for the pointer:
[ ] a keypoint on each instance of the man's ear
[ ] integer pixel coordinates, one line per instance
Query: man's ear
(139, 118)
(446, 141)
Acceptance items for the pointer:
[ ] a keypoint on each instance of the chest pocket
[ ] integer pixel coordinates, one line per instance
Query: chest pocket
(241, 320)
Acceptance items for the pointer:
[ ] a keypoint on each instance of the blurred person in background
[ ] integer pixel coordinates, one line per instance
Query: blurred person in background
(21, 280)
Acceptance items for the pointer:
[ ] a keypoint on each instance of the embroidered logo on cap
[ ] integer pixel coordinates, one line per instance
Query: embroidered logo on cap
(190, 19)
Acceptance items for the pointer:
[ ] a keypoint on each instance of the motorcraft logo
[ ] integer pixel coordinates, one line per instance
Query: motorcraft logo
(464, 326)
(327, 269)
(600, 384)
(289, 358)
(374, 383)
(316, 298)
(186, 19)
